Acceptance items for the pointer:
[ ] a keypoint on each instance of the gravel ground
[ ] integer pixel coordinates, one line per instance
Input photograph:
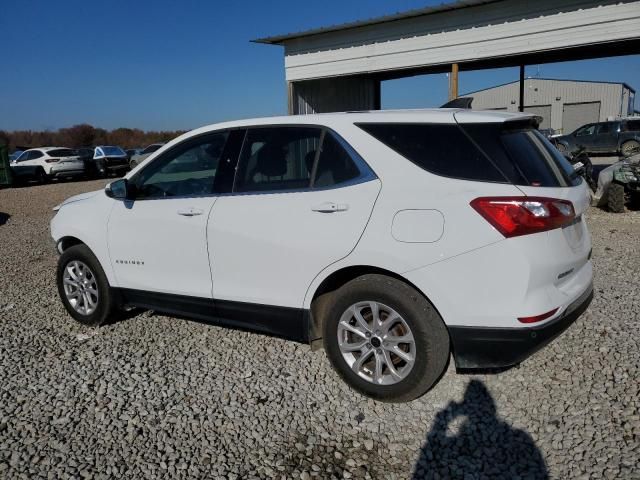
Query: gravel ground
(152, 396)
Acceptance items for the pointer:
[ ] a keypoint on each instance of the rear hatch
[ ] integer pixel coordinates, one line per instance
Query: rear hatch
(532, 164)
(65, 157)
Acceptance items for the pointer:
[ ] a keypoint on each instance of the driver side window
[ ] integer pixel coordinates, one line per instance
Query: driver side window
(186, 170)
(586, 130)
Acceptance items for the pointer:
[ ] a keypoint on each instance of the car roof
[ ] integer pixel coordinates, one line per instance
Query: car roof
(47, 149)
(427, 115)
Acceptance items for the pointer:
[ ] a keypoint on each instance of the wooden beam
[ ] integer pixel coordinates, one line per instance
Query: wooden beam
(290, 99)
(521, 102)
(453, 82)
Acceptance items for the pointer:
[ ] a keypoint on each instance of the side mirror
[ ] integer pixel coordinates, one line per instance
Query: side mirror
(119, 189)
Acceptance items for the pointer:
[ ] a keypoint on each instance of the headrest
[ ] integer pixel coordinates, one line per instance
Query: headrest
(272, 161)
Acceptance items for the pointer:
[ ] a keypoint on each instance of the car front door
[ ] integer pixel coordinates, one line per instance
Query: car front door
(302, 198)
(585, 137)
(157, 241)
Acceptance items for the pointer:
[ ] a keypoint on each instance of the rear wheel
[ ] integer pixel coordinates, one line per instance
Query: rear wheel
(385, 339)
(83, 286)
(629, 148)
(615, 198)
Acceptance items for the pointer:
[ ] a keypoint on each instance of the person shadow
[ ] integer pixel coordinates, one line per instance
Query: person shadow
(468, 441)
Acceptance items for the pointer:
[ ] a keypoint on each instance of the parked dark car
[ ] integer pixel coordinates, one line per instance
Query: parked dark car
(616, 137)
(86, 155)
(110, 159)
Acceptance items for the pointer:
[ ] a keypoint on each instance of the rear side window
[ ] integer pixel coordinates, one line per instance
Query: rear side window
(277, 158)
(440, 149)
(492, 152)
(632, 126)
(335, 165)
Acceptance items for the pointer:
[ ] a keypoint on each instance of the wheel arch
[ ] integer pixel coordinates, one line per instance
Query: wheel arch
(67, 242)
(335, 280)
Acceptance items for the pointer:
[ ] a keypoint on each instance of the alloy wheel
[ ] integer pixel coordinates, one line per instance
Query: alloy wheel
(80, 287)
(376, 342)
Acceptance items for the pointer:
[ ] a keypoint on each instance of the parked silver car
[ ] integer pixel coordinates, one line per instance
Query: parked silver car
(139, 158)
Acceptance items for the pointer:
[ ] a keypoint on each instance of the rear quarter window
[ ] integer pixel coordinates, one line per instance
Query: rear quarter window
(491, 152)
(441, 149)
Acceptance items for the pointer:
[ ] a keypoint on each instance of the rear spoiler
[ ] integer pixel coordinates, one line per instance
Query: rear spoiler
(461, 102)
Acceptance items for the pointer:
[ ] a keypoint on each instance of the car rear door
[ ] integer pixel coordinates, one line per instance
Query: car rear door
(606, 137)
(302, 198)
(586, 137)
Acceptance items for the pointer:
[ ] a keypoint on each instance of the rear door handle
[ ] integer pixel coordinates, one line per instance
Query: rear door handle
(190, 212)
(330, 207)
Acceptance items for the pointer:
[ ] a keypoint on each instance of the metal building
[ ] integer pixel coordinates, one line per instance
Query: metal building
(564, 105)
(341, 67)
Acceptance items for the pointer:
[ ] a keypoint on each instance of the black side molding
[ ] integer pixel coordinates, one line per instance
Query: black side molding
(477, 348)
(283, 322)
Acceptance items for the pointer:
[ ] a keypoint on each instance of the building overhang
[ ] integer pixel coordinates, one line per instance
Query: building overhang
(474, 34)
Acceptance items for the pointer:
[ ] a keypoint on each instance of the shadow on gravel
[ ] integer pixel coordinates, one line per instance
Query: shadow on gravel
(4, 218)
(467, 440)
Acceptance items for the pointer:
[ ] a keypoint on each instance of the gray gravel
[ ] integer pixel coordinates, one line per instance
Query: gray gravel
(152, 396)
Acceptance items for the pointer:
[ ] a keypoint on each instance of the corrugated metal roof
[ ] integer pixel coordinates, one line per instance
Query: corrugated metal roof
(445, 7)
(624, 84)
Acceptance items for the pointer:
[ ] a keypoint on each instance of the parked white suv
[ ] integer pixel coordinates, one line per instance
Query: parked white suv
(51, 162)
(392, 239)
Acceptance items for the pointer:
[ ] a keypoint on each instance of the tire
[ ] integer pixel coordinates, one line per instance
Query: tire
(73, 258)
(429, 349)
(630, 147)
(41, 177)
(615, 198)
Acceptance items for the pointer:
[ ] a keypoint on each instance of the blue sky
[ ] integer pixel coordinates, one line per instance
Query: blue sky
(168, 64)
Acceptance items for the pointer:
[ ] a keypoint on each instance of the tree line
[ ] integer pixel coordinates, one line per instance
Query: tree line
(85, 135)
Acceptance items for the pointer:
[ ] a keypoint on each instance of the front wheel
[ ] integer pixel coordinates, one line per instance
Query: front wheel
(83, 286)
(385, 339)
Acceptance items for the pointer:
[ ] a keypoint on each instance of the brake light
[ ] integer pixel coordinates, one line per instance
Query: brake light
(51, 160)
(538, 318)
(515, 216)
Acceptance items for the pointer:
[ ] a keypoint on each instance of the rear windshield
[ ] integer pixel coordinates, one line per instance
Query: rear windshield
(113, 151)
(490, 152)
(61, 152)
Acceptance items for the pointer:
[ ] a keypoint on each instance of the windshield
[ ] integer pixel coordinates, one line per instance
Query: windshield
(113, 151)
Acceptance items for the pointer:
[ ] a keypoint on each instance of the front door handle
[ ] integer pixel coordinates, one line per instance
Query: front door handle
(330, 207)
(190, 212)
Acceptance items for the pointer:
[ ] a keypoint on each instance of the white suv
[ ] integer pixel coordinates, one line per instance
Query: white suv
(51, 162)
(391, 239)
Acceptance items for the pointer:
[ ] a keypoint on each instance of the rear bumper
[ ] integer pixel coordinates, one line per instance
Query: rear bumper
(487, 347)
(67, 173)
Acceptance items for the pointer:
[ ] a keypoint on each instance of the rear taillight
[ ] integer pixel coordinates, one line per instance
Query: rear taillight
(51, 160)
(514, 216)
